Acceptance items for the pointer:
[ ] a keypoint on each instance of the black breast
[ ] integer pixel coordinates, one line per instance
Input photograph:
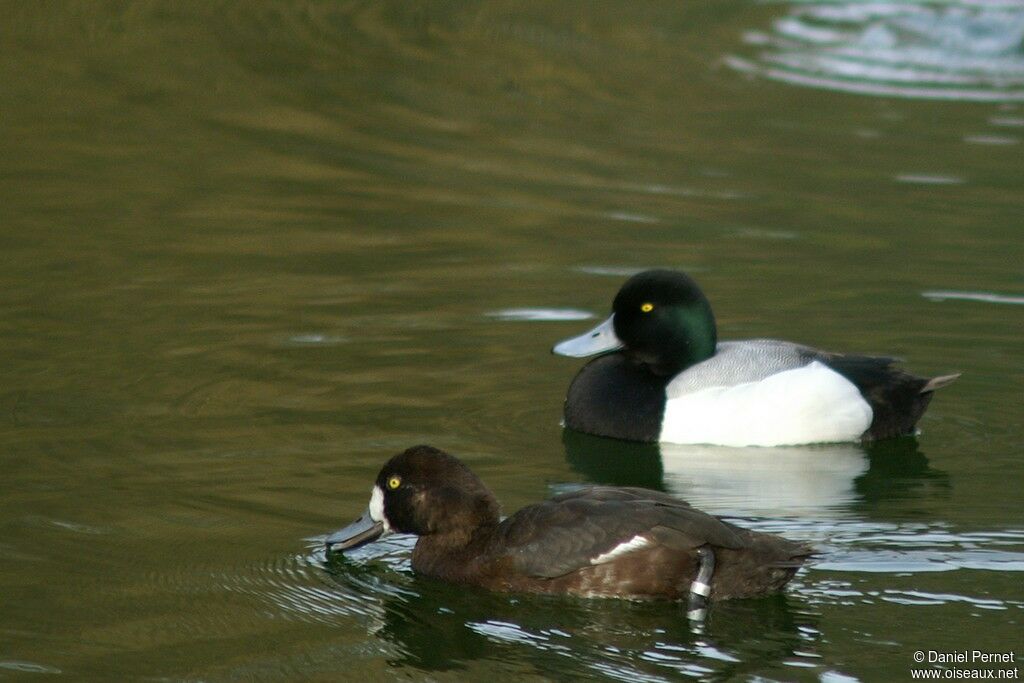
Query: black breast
(612, 396)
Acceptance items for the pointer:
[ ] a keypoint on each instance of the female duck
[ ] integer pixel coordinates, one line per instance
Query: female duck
(667, 378)
(596, 542)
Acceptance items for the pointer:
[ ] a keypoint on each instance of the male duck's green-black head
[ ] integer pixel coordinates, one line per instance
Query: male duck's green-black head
(660, 318)
(422, 491)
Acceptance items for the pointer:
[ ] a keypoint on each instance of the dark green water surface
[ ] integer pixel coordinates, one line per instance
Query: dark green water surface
(249, 251)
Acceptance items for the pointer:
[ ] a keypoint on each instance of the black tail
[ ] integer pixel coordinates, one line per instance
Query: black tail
(897, 398)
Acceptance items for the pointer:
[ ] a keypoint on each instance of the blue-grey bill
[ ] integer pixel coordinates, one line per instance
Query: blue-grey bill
(359, 532)
(601, 339)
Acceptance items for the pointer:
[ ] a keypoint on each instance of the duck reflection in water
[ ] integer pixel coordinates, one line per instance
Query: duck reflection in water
(814, 480)
(429, 625)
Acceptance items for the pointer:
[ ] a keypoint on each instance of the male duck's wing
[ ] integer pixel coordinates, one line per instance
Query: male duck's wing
(557, 537)
(739, 362)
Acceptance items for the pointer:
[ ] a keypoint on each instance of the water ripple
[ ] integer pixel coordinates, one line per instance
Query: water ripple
(314, 339)
(986, 297)
(540, 314)
(928, 179)
(991, 140)
(1007, 121)
(28, 667)
(611, 271)
(962, 51)
(844, 593)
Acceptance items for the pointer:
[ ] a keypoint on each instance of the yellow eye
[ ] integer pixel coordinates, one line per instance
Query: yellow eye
(647, 308)
(394, 482)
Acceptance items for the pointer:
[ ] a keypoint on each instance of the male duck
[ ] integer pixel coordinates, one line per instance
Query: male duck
(671, 380)
(596, 542)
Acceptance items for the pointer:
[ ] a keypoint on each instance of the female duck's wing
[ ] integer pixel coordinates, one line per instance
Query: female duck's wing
(560, 536)
(621, 493)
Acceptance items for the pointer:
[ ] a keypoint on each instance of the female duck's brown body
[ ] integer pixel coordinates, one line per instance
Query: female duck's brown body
(598, 541)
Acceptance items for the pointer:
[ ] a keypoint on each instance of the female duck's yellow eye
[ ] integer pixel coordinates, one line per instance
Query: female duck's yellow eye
(394, 482)
(647, 308)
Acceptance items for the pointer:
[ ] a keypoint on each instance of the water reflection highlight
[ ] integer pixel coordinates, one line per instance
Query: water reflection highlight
(959, 51)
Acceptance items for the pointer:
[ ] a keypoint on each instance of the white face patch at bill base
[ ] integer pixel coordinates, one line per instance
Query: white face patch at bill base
(632, 545)
(377, 508)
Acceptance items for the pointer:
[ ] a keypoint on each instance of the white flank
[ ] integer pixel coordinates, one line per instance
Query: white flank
(811, 404)
(629, 546)
(377, 508)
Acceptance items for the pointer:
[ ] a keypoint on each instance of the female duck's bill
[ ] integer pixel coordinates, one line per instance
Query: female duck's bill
(370, 526)
(601, 339)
